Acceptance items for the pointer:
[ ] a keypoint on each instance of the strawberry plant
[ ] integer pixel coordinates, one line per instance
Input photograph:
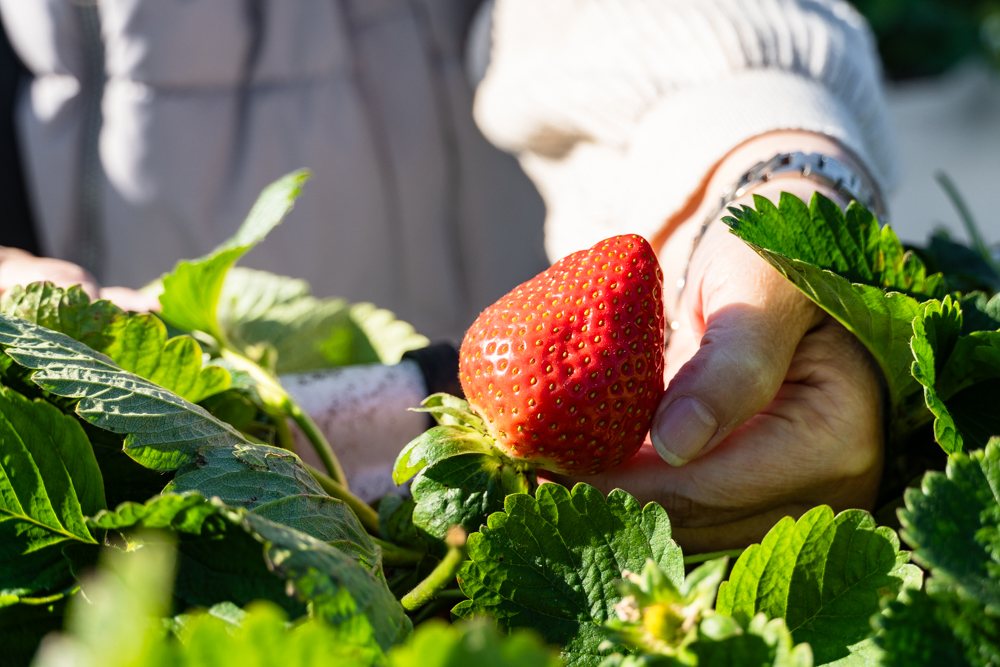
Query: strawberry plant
(153, 510)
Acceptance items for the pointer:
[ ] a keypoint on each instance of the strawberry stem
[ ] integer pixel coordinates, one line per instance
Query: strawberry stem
(274, 395)
(440, 576)
(319, 442)
(394, 555)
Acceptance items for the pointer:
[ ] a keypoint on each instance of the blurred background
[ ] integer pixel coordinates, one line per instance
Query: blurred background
(942, 64)
(942, 59)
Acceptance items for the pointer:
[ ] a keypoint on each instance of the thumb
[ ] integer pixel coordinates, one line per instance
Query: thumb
(752, 330)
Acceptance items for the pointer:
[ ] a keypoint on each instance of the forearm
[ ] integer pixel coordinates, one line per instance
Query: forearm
(621, 125)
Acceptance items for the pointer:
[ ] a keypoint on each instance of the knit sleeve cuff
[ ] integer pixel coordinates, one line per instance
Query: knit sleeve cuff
(681, 137)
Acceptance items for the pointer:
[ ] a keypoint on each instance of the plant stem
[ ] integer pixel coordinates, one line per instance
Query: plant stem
(275, 396)
(440, 576)
(701, 558)
(319, 442)
(444, 599)
(966, 215)
(365, 512)
(283, 434)
(393, 554)
(51, 598)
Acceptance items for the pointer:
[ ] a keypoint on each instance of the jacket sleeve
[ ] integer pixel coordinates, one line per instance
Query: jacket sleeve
(618, 108)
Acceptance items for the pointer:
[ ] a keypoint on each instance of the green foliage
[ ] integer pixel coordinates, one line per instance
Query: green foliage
(763, 643)
(659, 617)
(436, 644)
(552, 562)
(460, 476)
(264, 315)
(121, 624)
(141, 347)
(965, 270)
(137, 343)
(722, 640)
(163, 430)
(824, 575)
(918, 38)
(49, 480)
(22, 628)
(191, 293)
(277, 537)
(220, 559)
(953, 523)
(395, 520)
(273, 483)
(937, 629)
(958, 373)
(68, 311)
(850, 244)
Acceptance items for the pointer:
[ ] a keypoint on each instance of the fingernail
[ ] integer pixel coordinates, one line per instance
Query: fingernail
(683, 430)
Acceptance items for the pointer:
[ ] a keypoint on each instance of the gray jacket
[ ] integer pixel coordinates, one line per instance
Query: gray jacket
(151, 125)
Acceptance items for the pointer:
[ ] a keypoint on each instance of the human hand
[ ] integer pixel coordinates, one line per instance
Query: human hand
(18, 267)
(772, 407)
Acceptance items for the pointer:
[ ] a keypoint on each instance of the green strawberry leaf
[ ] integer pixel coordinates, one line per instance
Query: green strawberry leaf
(220, 560)
(141, 347)
(459, 476)
(438, 644)
(49, 480)
(939, 628)
(953, 523)
(844, 264)
(758, 643)
(190, 296)
(68, 311)
(164, 430)
(964, 269)
(261, 312)
(395, 522)
(137, 344)
(935, 332)
(824, 575)
(960, 375)
(273, 483)
(263, 637)
(438, 444)
(120, 624)
(849, 243)
(552, 563)
(464, 490)
(389, 337)
(320, 574)
(979, 313)
(448, 410)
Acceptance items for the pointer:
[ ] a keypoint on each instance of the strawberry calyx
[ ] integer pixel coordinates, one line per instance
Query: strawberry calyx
(460, 476)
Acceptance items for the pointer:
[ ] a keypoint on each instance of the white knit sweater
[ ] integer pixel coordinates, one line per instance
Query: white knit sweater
(618, 108)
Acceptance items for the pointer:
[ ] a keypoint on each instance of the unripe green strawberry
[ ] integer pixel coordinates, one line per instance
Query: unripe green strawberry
(567, 369)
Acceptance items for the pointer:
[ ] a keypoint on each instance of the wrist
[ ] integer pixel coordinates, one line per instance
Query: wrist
(808, 163)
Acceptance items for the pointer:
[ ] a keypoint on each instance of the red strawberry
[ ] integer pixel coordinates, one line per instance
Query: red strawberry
(567, 369)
